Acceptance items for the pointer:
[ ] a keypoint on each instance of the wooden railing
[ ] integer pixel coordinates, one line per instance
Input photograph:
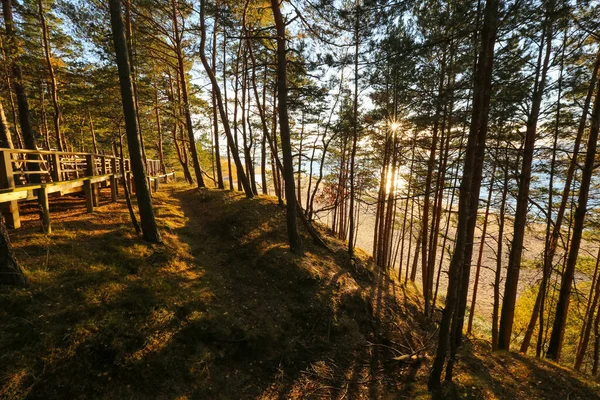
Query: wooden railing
(36, 174)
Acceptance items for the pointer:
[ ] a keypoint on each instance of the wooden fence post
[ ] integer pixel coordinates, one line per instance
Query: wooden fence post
(114, 188)
(91, 190)
(89, 201)
(43, 200)
(56, 168)
(10, 210)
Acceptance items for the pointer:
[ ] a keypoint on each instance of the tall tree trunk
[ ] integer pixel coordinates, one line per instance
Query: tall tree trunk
(236, 75)
(284, 130)
(93, 132)
(409, 189)
(299, 184)
(10, 271)
(469, 190)
(354, 130)
(51, 73)
(427, 274)
(184, 95)
(9, 85)
(263, 154)
(539, 305)
(148, 222)
(161, 153)
(5, 135)
(17, 83)
(481, 246)
(232, 145)
(126, 190)
(588, 322)
(44, 118)
(180, 150)
(562, 307)
(379, 213)
(132, 66)
(516, 250)
(499, 251)
(217, 149)
(225, 102)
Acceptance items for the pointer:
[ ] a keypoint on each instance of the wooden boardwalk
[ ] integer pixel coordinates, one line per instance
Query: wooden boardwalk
(27, 175)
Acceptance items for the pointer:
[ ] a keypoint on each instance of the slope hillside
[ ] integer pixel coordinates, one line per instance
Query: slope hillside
(222, 310)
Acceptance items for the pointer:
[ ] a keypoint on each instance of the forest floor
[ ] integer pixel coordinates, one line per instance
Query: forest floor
(222, 310)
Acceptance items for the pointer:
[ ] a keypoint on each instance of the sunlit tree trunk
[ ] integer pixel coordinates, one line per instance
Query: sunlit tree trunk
(11, 51)
(232, 145)
(469, 194)
(588, 321)
(5, 135)
(217, 149)
(184, 95)
(516, 249)
(51, 73)
(562, 306)
(481, 246)
(354, 131)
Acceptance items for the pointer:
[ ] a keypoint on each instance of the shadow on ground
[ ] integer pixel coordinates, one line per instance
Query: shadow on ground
(221, 310)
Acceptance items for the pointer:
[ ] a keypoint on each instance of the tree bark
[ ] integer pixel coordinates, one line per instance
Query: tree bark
(284, 130)
(10, 272)
(126, 190)
(53, 85)
(5, 135)
(589, 320)
(217, 149)
(480, 254)
(469, 190)
(11, 50)
(562, 307)
(184, 96)
(232, 145)
(516, 250)
(148, 222)
(354, 132)
(499, 252)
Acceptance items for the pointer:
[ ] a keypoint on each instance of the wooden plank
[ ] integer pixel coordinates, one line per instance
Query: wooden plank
(13, 196)
(100, 178)
(32, 173)
(65, 186)
(72, 190)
